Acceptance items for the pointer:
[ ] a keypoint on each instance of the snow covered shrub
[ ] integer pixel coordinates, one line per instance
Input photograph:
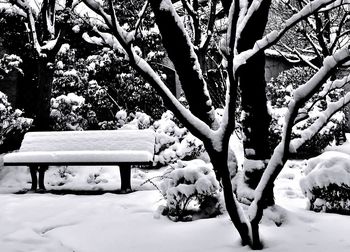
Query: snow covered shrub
(95, 178)
(280, 92)
(106, 82)
(174, 142)
(9, 63)
(327, 182)
(191, 191)
(62, 175)
(66, 112)
(12, 123)
(137, 120)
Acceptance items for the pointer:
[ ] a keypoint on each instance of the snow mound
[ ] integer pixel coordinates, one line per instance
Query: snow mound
(331, 167)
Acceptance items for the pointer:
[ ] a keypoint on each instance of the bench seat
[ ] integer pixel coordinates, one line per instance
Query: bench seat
(124, 148)
(78, 157)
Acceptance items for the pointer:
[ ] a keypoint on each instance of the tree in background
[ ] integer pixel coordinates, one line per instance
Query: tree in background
(45, 25)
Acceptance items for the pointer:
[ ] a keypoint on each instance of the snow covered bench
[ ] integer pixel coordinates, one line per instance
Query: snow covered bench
(124, 148)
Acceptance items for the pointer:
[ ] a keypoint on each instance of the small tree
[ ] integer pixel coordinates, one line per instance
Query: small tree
(200, 117)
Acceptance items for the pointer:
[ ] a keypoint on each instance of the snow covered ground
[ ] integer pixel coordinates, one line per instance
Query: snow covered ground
(117, 222)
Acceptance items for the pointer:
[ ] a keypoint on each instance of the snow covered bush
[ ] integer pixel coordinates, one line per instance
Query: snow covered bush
(106, 81)
(191, 191)
(280, 92)
(137, 120)
(12, 123)
(66, 112)
(9, 63)
(174, 142)
(327, 182)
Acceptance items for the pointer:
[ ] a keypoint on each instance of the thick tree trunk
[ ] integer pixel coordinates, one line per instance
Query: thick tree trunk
(219, 161)
(45, 79)
(181, 52)
(254, 103)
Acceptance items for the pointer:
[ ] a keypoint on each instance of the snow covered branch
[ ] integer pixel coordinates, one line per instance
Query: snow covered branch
(274, 36)
(210, 27)
(182, 54)
(322, 120)
(335, 4)
(141, 15)
(49, 12)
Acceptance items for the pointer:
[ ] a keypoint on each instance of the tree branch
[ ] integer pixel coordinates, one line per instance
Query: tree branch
(210, 26)
(176, 40)
(281, 152)
(322, 120)
(274, 36)
(141, 15)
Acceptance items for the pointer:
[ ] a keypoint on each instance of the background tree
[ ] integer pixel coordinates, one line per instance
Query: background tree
(45, 29)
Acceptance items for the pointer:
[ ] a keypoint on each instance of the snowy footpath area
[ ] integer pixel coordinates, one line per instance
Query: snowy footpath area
(115, 222)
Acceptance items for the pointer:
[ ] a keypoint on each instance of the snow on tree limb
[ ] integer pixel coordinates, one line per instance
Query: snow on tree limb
(182, 54)
(335, 4)
(122, 35)
(321, 121)
(141, 15)
(246, 14)
(272, 37)
(49, 12)
(194, 124)
(210, 27)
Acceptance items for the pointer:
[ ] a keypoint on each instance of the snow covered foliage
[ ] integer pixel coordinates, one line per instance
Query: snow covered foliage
(327, 182)
(106, 83)
(66, 112)
(9, 63)
(173, 141)
(12, 122)
(280, 92)
(191, 191)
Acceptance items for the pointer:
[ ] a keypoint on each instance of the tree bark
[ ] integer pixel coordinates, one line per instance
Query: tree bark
(181, 53)
(254, 103)
(45, 79)
(219, 162)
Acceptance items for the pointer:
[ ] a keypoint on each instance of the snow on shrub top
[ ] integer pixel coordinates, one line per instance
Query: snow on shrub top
(189, 179)
(331, 167)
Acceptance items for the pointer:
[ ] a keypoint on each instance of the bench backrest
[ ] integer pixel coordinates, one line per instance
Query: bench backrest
(99, 140)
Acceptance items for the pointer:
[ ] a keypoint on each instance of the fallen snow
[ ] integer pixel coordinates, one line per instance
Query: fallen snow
(114, 222)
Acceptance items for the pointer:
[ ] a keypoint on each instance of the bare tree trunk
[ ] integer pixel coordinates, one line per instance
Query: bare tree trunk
(254, 103)
(219, 161)
(45, 79)
(186, 63)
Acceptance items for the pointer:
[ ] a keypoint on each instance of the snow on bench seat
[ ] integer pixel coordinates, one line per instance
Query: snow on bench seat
(78, 157)
(100, 147)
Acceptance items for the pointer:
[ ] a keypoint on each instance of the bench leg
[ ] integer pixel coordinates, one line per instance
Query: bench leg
(33, 170)
(42, 171)
(125, 172)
